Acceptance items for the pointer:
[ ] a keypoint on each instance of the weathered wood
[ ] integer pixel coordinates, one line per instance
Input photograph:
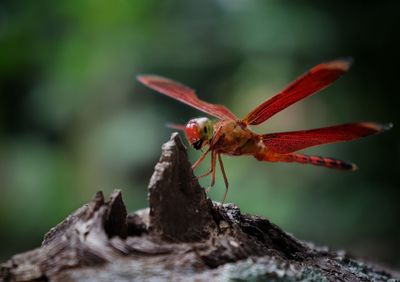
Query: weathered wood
(179, 208)
(182, 236)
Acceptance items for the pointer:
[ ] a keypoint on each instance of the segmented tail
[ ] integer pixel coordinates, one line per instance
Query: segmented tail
(320, 161)
(305, 159)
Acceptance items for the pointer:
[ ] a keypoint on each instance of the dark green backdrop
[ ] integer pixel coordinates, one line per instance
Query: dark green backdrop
(73, 119)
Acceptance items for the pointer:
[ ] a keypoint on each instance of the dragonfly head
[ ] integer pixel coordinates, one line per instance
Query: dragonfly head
(199, 131)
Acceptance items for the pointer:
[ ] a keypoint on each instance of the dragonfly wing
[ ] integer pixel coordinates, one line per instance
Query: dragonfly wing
(185, 95)
(311, 82)
(288, 142)
(176, 126)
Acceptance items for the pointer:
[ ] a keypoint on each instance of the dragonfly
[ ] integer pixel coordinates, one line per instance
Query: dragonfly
(229, 135)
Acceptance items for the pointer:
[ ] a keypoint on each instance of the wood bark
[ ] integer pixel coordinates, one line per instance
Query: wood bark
(182, 236)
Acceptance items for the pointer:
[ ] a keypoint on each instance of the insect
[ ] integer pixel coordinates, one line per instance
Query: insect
(232, 136)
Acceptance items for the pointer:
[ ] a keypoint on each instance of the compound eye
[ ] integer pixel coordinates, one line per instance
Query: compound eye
(192, 132)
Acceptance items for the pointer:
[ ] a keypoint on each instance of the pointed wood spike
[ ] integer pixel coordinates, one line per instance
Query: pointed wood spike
(179, 208)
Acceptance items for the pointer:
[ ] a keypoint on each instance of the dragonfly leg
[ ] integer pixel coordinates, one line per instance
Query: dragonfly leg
(196, 164)
(213, 166)
(221, 164)
(208, 172)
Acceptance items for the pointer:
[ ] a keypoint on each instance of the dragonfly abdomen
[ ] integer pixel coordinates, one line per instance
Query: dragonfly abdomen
(319, 161)
(305, 159)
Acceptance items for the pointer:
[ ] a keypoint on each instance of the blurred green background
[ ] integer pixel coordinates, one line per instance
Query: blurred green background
(73, 119)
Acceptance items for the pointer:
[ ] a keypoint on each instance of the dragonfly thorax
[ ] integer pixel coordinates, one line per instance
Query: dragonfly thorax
(199, 131)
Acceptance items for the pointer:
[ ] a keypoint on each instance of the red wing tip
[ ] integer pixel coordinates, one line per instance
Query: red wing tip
(146, 78)
(340, 64)
(378, 127)
(153, 79)
(175, 126)
(387, 126)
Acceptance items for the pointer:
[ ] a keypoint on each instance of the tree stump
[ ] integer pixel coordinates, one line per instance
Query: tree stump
(182, 236)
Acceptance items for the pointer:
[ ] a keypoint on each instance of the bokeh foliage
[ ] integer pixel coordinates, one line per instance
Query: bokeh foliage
(73, 119)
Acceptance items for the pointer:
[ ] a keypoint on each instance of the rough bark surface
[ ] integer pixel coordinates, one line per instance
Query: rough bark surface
(182, 236)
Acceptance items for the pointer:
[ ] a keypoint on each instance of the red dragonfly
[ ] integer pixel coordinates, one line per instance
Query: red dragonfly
(232, 136)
